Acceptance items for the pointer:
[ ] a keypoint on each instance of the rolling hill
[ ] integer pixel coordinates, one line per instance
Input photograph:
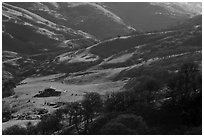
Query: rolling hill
(78, 48)
(28, 33)
(91, 18)
(146, 16)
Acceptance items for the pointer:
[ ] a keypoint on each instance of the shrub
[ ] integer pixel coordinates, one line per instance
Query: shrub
(133, 122)
(115, 102)
(125, 124)
(144, 83)
(92, 102)
(49, 124)
(15, 130)
(7, 89)
(100, 122)
(116, 129)
(6, 112)
(185, 107)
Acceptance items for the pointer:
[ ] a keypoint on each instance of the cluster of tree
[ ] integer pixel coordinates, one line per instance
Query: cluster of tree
(74, 116)
(173, 107)
(6, 111)
(7, 89)
(186, 96)
(116, 123)
(148, 108)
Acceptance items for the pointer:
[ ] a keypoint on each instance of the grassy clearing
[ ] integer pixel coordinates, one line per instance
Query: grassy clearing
(72, 89)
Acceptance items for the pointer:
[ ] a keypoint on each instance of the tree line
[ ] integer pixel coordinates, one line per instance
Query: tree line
(174, 107)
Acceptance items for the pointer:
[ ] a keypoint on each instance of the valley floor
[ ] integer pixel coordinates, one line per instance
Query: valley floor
(72, 89)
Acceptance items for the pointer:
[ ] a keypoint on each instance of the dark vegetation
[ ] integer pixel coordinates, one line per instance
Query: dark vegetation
(160, 69)
(7, 89)
(148, 107)
(6, 111)
(161, 97)
(74, 115)
(48, 93)
(174, 107)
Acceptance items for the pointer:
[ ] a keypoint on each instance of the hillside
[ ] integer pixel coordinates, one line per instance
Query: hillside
(91, 18)
(29, 33)
(136, 49)
(153, 16)
(70, 26)
(139, 63)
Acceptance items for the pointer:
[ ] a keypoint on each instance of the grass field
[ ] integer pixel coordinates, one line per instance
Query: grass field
(72, 89)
